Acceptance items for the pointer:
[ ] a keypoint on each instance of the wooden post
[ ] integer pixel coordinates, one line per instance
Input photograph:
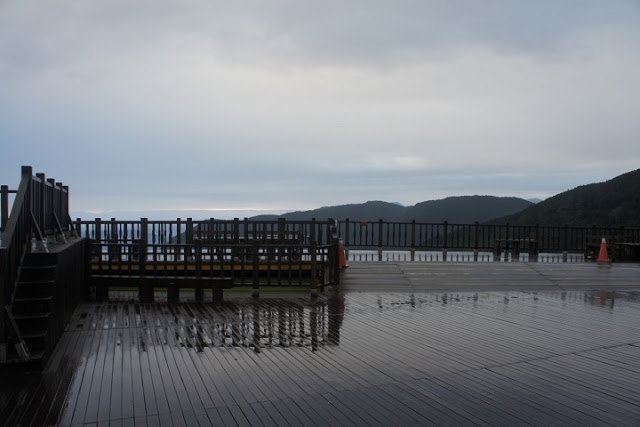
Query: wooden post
(445, 239)
(189, 232)
(146, 289)
(507, 246)
(346, 238)
(97, 230)
(256, 270)
(173, 294)
(236, 230)
(534, 246)
(413, 240)
(312, 232)
(114, 251)
(565, 243)
(65, 204)
(476, 244)
(313, 248)
(281, 230)
(245, 223)
(58, 194)
(281, 237)
(199, 291)
(40, 215)
(178, 231)
(4, 206)
(212, 232)
(380, 223)
(4, 290)
(47, 220)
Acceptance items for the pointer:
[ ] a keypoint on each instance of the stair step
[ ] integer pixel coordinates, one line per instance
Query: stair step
(34, 335)
(33, 299)
(36, 355)
(39, 267)
(35, 359)
(42, 315)
(36, 282)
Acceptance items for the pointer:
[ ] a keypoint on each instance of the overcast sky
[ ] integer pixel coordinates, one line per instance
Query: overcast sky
(198, 104)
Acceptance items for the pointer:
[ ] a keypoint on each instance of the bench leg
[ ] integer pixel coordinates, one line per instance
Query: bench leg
(102, 292)
(145, 293)
(172, 293)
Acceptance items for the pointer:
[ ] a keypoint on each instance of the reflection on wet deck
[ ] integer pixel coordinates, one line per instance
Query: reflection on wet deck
(354, 358)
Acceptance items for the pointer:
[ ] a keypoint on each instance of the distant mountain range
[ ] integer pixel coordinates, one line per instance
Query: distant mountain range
(610, 203)
(463, 209)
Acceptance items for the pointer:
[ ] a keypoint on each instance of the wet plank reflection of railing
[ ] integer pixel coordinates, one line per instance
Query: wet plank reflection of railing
(247, 322)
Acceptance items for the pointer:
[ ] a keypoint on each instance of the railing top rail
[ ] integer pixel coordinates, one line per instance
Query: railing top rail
(354, 222)
(199, 221)
(207, 245)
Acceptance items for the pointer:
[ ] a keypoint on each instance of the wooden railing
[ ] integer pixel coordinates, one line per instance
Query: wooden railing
(40, 209)
(251, 253)
(378, 235)
(246, 264)
(416, 236)
(211, 230)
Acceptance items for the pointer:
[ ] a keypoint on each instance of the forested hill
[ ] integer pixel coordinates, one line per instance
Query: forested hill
(463, 209)
(610, 203)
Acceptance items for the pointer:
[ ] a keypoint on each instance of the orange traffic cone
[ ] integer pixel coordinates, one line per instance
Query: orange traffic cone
(603, 255)
(342, 258)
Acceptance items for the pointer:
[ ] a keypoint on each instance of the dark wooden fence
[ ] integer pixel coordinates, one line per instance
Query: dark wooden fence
(190, 231)
(415, 236)
(378, 235)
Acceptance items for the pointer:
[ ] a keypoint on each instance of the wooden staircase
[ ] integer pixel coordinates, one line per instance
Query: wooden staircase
(32, 306)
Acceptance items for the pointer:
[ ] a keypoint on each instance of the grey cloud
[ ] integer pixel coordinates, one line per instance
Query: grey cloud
(38, 34)
(153, 104)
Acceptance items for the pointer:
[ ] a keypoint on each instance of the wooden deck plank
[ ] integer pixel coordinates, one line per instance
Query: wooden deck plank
(90, 387)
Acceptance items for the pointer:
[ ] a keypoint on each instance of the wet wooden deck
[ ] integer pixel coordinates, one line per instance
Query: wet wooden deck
(359, 357)
(452, 276)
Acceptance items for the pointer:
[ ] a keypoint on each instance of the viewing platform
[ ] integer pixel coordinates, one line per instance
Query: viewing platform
(243, 322)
